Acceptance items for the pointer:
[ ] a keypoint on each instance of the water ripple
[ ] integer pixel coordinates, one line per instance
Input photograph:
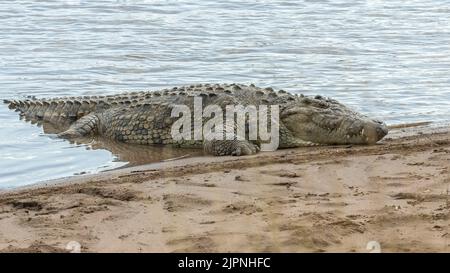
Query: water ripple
(385, 58)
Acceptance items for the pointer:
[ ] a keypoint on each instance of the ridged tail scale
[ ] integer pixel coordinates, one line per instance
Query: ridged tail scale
(56, 111)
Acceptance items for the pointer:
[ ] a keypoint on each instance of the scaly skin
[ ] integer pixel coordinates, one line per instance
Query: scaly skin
(145, 117)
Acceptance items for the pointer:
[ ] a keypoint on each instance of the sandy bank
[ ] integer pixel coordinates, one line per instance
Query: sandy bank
(302, 200)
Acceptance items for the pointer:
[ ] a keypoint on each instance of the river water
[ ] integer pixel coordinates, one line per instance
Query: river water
(389, 59)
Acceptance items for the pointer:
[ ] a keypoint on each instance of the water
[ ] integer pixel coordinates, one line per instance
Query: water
(389, 59)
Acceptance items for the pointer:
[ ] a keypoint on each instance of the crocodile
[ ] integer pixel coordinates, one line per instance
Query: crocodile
(146, 117)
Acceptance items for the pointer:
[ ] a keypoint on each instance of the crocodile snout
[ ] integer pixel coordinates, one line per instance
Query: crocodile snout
(374, 131)
(382, 130)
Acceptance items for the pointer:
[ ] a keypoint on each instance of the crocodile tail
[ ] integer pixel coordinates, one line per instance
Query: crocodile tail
(29, 108)
(15, 104)
(56, 111)
(10, 103)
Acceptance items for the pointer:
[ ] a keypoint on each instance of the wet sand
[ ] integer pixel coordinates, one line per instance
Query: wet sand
(321, 199)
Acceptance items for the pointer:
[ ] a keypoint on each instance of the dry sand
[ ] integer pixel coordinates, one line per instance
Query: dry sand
(327, 199)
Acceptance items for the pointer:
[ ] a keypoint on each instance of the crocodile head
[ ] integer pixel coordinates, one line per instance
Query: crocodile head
(322, 120)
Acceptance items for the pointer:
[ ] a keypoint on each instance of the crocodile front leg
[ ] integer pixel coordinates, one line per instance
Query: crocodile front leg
(86, 125)
(235, 146)
(230, 147)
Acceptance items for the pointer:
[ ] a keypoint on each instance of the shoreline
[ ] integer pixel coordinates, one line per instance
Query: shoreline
(397, 131)
(313, 199)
